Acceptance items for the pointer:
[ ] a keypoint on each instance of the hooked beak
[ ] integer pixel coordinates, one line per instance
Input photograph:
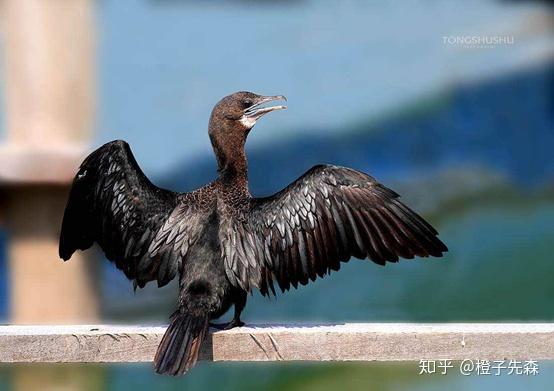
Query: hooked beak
(255, 111)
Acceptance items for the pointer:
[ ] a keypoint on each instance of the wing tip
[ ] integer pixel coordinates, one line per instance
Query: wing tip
(65, 256)
(442, 248)
(63, 252)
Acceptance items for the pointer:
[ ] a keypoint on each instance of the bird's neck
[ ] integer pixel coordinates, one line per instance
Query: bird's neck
(232, 165)
(231, 168)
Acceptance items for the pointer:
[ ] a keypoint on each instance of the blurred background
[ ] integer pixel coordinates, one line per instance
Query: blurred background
(449, 103)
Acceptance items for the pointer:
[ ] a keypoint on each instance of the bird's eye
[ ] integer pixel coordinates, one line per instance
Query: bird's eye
(247, 103)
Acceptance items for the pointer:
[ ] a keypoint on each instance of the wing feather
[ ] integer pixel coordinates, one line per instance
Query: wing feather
(323, 218)
(143, 229)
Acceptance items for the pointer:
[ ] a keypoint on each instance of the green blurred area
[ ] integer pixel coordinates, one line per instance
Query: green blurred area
(380, 376)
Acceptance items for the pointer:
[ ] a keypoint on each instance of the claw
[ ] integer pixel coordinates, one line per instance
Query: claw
(234, 323)
(219, 326)
(227, 326)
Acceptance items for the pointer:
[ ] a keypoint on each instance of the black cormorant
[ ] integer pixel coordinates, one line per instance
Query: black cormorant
(220, 241)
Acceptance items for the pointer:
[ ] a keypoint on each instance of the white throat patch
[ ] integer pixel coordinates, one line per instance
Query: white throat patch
(247, 121)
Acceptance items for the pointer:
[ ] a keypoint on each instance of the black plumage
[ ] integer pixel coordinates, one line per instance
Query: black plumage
(220, 241)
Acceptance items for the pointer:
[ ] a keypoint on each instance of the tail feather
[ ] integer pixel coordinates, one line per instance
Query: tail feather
(180, 344)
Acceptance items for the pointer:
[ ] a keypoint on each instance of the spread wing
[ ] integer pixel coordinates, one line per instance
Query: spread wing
(323, 218)
(143, 229)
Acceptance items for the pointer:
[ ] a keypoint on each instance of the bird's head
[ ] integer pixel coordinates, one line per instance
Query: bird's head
(241, 110)
(231, 121)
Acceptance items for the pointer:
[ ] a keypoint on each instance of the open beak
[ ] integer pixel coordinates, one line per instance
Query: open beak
(255, 111)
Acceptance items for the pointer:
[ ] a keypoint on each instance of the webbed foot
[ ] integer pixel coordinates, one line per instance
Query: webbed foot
(228, 325)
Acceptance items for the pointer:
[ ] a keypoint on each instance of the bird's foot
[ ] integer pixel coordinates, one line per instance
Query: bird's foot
(228, 325)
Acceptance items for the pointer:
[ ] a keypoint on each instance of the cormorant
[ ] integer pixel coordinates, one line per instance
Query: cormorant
(220, 241)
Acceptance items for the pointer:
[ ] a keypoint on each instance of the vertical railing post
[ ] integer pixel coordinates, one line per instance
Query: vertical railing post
(49, 74)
